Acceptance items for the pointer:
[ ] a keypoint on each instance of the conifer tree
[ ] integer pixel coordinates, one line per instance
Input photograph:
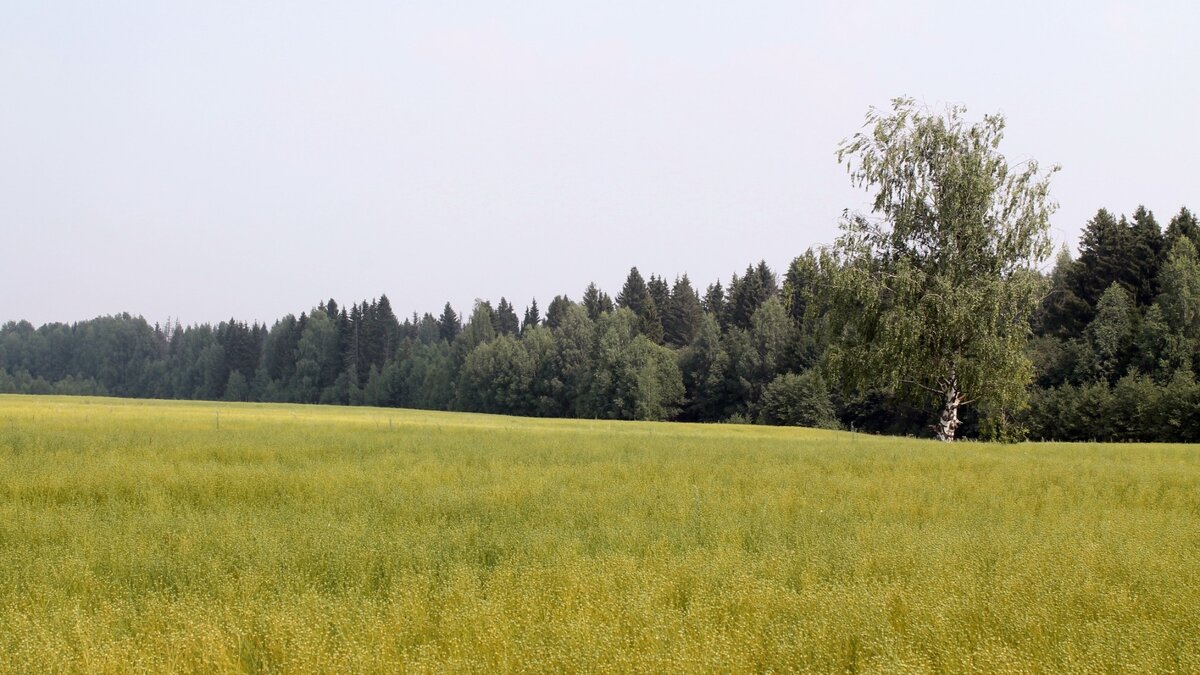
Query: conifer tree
(1184, 224)
(387, 333)
(1061, 313)
(1105, 251)
(746, 293)
(449, 324)
(714, 303)
(683, 314)
(659, 291)
(507, 322)
(634, 294)
(533, 316)
(591, 301)
(1146, 255)
(558, 307)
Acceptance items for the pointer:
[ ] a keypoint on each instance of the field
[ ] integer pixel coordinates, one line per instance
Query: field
(162, 536)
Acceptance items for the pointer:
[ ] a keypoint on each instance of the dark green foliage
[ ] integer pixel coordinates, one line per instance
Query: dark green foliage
(1115, 369)
(1184, 225)
(572, 339)
(683, 314)
(1111, 333)
(659, 292)
(533, 316)
(714, 304)
(634, 294)
(704, 363)
(1147, 255)
(596, 302)
(1117, 251)
(507, 322)
(1062, 312)
(631, 377)
(554, 313)
(496, 378)
(798, 400)
(449, 324)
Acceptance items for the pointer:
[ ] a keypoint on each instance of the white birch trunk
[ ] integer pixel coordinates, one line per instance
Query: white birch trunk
(948, 422)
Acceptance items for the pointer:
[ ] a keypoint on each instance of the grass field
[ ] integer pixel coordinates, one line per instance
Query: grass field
(161, 536)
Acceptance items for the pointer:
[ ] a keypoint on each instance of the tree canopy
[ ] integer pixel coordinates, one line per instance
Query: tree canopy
(935, 287)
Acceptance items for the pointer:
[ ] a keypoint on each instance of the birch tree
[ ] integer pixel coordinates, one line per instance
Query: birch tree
(935, 286)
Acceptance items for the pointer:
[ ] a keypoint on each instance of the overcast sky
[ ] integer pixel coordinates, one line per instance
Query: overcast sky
(214, 158)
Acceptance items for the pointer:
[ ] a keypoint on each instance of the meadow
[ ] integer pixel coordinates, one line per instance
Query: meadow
(154, 536)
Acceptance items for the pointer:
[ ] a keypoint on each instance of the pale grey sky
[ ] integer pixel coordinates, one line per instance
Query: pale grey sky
(214, 158)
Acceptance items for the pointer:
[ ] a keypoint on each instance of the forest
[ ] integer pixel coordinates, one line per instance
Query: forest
(1113, 346)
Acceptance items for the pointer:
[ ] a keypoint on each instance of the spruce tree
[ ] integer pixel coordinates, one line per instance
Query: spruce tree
(659, 291)
(1184, 224)
(1146, 255)
(634, 294)
(591, 301)
(533, 316)
(767, 281)
(387, 333)
(683, 314)
(1107, 254)
(797, 286)
(745, 295)
(449, 325)
(558, 307)
(714, 304)
(1062, 313)
(507, 322)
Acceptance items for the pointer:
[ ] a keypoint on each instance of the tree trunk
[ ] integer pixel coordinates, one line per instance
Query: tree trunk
(948, 423)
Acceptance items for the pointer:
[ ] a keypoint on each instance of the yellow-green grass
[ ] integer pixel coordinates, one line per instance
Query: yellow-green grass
(162, 536)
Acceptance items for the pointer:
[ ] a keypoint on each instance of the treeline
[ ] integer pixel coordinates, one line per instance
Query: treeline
(656, 351)
(1115, 348)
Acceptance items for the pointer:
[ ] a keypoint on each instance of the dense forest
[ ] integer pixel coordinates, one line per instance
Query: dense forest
(1115, 347)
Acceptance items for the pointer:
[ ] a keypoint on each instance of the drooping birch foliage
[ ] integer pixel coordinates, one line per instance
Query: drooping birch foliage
(935, 286)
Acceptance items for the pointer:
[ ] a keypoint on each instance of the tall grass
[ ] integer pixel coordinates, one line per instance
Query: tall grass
(196, 537)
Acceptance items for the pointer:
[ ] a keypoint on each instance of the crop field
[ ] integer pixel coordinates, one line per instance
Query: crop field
(199, 537)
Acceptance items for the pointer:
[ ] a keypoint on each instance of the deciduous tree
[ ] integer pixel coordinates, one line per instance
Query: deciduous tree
(937, 284)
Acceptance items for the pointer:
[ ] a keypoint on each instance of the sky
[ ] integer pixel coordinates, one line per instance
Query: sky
(214, 159)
